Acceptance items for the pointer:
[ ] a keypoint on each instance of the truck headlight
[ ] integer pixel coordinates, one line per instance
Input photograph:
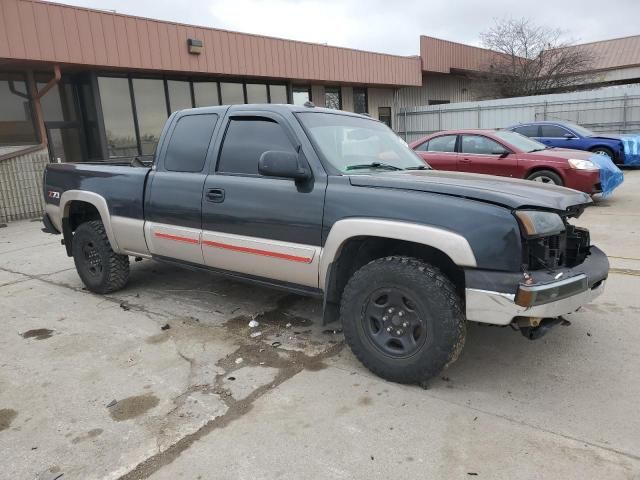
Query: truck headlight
(583, 164)
(539, 224)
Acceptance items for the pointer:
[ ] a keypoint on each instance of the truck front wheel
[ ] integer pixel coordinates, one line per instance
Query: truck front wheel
(403, 319)
(100, 268)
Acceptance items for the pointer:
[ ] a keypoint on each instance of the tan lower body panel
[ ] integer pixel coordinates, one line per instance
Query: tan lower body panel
(130, 235)
(181, 243)
(284, 261)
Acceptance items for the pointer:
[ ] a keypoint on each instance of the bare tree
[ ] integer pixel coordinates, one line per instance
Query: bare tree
(531, 59)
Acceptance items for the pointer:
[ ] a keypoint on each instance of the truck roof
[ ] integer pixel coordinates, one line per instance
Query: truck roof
(275, 107)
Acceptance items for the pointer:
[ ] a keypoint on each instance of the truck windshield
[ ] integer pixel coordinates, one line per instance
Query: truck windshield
(359, 145)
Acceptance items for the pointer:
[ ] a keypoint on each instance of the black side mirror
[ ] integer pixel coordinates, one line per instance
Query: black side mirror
(502, 153)
(274, 163)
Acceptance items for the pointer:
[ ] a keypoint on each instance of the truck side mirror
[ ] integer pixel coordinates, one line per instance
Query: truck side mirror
(275, 163)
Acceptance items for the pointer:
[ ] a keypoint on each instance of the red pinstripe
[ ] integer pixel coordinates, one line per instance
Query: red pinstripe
(176, 238)
(256, 251)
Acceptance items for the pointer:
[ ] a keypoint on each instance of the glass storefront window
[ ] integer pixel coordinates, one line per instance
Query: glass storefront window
(256, 93)
(118, 116)
(232, 93)
(301, 95)
(179, 95)
(58, 104)
(16, 119)
(206, 94)
(151, 108)
(278, 93)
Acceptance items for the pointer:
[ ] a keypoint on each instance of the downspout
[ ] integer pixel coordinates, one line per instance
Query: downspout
(36, 95)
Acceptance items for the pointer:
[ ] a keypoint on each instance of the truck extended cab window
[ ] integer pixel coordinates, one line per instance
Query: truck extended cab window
(187, 149)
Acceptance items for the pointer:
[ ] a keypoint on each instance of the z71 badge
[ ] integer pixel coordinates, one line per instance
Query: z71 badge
(52, 194)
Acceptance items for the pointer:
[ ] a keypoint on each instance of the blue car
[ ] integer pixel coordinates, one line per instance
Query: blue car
(569, 135)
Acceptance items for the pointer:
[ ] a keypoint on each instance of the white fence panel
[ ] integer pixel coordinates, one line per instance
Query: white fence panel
(606, 110)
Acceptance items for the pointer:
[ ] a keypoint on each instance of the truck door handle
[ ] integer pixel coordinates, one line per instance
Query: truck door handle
(215, 195)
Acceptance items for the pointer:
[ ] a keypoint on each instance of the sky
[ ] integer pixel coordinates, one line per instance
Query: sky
(385, 25)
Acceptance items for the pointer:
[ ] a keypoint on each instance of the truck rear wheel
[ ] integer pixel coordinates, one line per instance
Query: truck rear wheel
(99, 267)
(403, 319)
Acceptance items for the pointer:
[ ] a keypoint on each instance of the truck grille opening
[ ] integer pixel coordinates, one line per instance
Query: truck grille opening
(567, 249)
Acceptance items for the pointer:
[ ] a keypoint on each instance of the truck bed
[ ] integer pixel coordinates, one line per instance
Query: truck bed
(121, 184)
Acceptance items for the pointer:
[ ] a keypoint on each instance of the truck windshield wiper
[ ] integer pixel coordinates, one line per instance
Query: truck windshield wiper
(363, 166)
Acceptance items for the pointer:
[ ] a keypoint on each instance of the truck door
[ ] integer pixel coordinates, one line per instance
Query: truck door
(173, 207)
(264, 227)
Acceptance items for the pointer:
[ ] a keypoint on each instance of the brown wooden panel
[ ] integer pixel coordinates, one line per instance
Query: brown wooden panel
(109, 29)
(154, 45)
(4, 39)
(14, 30)
(98, 39)
(132, 41)
(86, 37)
(165, 45)
(27, 19)
(143, 41)
(72, 35)
(59, 38)
(124, 54)
(43, 31)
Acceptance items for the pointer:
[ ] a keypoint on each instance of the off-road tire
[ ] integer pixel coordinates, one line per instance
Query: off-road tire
(434, 297)
(546, 174)
(99, 267)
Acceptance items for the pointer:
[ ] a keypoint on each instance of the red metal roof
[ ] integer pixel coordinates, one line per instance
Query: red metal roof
(42, 31)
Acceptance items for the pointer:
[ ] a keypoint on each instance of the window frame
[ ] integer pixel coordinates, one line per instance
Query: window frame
(459, 145)
(537, 126)
(333, 89)
(455, 144)
(301, 88)
(171, 133)
(566, 131)
(38, 140)
(255, 114)
(364, 90)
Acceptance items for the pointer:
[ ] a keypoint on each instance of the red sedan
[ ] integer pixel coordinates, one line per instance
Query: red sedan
(509, 154)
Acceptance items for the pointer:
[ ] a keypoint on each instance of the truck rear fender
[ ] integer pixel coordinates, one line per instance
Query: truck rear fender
(60, 215)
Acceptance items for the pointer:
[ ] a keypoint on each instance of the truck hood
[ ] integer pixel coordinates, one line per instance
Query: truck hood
(510, 193)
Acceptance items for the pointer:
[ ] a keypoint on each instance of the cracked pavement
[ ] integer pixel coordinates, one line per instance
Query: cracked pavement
(164, 380)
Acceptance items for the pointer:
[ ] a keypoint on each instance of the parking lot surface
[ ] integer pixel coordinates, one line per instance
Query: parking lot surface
(166, 380)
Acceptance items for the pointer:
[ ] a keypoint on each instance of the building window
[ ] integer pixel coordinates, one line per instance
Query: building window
(384, 115)
(439, 102)
(333, 98)
(206, 94)
(179, 95)
(58, 104)
(360, 100)
(232, 93)
(278, 94)
(16, 118)
(151, 111)
(117, 112)
(257, 93)
(301, 95)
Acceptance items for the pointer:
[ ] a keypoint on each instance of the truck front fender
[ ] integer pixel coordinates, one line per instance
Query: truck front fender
(454, 245)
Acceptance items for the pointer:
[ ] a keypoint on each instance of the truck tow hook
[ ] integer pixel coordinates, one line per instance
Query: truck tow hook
(545, 325)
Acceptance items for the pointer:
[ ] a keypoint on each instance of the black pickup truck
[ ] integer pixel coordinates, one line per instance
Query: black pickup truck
(333, 204)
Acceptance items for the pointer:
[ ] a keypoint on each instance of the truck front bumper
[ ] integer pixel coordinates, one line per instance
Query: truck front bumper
(499, 297)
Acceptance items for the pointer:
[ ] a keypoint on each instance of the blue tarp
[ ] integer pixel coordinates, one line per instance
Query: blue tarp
(631, 147)
(610, 176)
